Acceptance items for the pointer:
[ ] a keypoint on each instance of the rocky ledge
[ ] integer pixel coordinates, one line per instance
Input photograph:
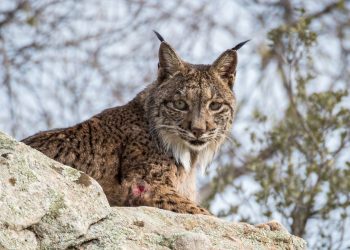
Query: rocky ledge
(46, 205)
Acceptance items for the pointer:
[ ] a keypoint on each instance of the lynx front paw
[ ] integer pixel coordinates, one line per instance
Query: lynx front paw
(272, 226)
(196, 210)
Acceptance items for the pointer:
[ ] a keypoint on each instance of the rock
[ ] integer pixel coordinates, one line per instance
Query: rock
(190, 241)
(46, 205)
(42, 202)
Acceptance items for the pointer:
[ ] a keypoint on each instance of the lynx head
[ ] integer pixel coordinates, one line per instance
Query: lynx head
(191, 107)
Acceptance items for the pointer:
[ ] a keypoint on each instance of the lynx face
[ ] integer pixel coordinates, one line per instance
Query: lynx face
(192, 106)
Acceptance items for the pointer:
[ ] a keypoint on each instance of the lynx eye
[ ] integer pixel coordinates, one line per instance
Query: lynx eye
(215, 106)
(180, 105)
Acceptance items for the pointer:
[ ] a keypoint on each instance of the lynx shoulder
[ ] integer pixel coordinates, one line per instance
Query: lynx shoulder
(147, 151)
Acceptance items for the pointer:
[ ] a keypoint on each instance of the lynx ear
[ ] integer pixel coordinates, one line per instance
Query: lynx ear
(225, 66)
(169, 62)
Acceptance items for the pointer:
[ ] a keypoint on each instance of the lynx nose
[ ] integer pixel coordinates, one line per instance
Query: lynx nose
(198, 126)
(198, 132)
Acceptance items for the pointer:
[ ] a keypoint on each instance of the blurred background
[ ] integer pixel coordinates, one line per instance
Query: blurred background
(62, 61)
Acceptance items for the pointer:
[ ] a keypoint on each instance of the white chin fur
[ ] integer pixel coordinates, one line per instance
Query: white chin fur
(206, 156)
(181, 152)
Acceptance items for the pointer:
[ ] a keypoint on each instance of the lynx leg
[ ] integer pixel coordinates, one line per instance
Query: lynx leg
(161, 196)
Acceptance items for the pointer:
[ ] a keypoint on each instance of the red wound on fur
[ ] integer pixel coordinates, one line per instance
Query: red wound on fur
(141, 188)
(137, 190)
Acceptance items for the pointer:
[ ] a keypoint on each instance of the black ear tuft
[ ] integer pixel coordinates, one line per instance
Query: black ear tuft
(159, 36)
(240, 45)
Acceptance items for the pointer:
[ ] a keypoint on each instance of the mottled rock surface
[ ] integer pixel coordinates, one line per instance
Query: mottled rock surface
(46, 205)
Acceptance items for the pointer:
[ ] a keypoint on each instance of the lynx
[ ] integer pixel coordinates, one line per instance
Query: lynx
(146, 152)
